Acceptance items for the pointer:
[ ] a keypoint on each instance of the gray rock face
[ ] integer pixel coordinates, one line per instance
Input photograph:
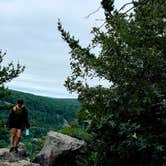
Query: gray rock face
(59, 150)
(13, 159)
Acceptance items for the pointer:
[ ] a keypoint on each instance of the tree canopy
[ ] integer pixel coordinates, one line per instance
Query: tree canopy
(128, 118)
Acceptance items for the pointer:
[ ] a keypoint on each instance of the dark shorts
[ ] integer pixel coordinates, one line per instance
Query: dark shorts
(17, 125)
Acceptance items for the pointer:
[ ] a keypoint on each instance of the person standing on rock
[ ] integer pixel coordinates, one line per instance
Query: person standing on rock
(17, 122)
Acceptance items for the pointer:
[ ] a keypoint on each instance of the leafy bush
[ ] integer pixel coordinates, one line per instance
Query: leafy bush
(77, 133)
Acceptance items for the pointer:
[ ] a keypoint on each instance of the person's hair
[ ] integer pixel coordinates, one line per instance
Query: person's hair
(20, 101)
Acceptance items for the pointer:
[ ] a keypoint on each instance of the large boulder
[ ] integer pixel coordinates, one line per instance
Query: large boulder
(59, 150)
(12, 159)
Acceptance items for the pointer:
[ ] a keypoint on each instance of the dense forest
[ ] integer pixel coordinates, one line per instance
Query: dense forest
(44, 114)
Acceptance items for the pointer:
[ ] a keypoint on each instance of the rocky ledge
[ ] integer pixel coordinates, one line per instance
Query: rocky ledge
(15, 159)
(59, 150)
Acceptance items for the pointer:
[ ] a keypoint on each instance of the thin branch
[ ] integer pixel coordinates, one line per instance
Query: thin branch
(125, 6)
(129, 10)
(93, 12)
(143, 2)
(101, 25)
(97, 19)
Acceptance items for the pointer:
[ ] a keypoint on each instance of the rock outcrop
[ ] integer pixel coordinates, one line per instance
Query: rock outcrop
(59, 150)
(65, 123)
(15, 159)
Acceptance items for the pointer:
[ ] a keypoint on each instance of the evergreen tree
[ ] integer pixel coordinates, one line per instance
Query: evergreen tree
(128, 118)
(7, 73)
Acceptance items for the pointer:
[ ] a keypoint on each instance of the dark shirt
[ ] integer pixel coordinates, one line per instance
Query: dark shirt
(18, 118)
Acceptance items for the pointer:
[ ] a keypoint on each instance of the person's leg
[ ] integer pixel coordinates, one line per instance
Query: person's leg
(17, 138)
(12, 138)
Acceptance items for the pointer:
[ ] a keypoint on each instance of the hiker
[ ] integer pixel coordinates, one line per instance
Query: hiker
(17, 122)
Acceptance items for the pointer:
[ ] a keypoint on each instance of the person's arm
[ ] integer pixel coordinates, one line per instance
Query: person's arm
(27, 125)
(6, 106)
(7, 124)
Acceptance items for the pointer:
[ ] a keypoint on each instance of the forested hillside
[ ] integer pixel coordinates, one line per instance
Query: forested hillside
(44, 113)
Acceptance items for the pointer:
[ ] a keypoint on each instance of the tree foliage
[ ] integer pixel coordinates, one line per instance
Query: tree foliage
(7, 73)
(128, 118)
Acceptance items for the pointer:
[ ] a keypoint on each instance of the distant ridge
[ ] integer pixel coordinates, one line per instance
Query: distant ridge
(38, 95)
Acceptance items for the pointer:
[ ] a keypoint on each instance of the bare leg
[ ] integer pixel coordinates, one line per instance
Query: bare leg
(18, 137)
(12, 138)
(13, 135)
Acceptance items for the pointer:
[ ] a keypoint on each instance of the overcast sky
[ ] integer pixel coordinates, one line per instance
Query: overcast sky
(29, 33)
